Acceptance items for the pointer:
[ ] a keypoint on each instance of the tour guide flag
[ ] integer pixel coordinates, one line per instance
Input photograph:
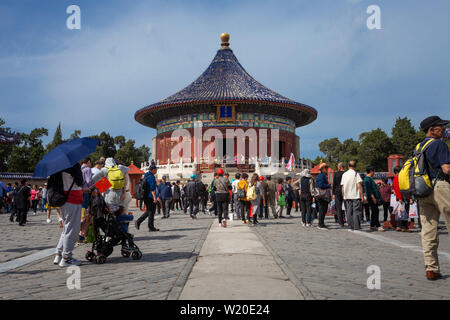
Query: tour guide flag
(290, 164)
(103, 185)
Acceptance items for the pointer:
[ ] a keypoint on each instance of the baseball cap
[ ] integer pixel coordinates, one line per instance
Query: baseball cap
(219, 171)
(432, 121)
(152, 168)
(193, 176)
(261, 178)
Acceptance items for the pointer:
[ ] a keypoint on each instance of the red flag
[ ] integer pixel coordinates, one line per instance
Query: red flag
(103, 185)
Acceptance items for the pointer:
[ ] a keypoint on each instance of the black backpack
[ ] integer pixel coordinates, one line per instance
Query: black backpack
(140, 191)
(176, 192)
(304, 185)
(145, 188)
(55, 193)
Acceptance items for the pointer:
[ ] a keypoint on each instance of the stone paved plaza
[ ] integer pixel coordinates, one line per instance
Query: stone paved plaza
(318, 264)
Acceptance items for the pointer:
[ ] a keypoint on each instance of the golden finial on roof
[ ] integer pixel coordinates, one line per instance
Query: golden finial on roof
(225, 37)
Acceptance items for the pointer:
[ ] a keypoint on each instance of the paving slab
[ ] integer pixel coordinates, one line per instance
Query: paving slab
(234, 264)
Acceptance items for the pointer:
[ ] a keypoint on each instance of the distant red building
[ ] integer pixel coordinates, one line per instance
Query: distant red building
(315, 172)
(394, 160)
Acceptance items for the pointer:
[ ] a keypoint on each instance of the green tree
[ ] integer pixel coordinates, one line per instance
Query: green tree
(375, 147)
(75, 134)
(127, 152)
(105, 148)
(120, 141)
(349, 151)
(57, 138)
(24, 157)
(404, 137)
(331, 148)
(5, 149)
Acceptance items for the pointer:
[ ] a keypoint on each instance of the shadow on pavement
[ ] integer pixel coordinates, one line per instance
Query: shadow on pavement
(151, 257)
(182, 229)
(158, 237)
(26, 249)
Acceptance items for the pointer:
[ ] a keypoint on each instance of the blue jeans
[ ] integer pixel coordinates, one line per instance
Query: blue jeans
(124, 219)
(85, 204)
(44, 202)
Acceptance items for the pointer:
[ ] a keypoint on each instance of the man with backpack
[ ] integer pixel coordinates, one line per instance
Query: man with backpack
(212, 195)
(235, 199)
(353, 195)
(150, 200)
(437, 164)
(270, 198)
(337, 194)
(244, 204)
(373, 198)
(176, 204)
(65, 191)
(222, 186)
(140, 193)
(306, 197)
(193, 195)
(290, 196)
(23, 202)
(165, 196)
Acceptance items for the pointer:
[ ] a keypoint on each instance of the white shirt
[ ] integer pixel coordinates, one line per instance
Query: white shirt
(234, 185)
(350, 180)
(94, 171)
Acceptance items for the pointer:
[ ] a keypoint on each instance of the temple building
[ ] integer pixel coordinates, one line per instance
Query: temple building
(225, 97)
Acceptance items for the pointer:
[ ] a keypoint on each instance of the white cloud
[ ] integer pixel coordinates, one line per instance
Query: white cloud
(325, 58)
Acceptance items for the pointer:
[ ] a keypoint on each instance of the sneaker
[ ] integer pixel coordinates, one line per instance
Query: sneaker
(70, 262)
(380, 229)
(303, 224)
(220, 225)
(136, 225)
(244, 222)
(34, 213)
(48, 220)
(57, 259)
(309, 225)
(224, 223)
(322, 228)
(153, 229)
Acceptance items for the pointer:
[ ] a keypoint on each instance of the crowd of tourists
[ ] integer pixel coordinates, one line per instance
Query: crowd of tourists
(249, 198)
(252, 198)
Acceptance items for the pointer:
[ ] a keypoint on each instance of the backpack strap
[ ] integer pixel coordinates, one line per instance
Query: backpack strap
(424, 146)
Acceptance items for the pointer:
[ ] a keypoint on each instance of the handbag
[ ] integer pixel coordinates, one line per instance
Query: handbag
(324, 194)
(413, 213)
(281, 200)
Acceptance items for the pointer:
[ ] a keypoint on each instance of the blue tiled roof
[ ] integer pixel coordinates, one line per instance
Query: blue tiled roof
(225, 80)
(8, 138)
(19, 175)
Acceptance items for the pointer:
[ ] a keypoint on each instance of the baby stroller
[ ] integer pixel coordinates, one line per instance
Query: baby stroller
(113, 234)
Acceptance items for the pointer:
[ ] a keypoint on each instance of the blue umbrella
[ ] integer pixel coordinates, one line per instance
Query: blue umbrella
(65, 156)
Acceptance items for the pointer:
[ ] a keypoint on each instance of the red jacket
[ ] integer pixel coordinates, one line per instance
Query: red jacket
(397, 192)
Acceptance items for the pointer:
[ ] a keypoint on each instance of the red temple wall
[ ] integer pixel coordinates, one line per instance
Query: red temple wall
(164, 144)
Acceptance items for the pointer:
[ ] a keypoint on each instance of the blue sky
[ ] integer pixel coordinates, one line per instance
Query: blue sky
(129, 54)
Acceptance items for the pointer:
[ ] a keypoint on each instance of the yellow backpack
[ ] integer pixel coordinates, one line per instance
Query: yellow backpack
(251, 193)
(116, 178)
(413, 178)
